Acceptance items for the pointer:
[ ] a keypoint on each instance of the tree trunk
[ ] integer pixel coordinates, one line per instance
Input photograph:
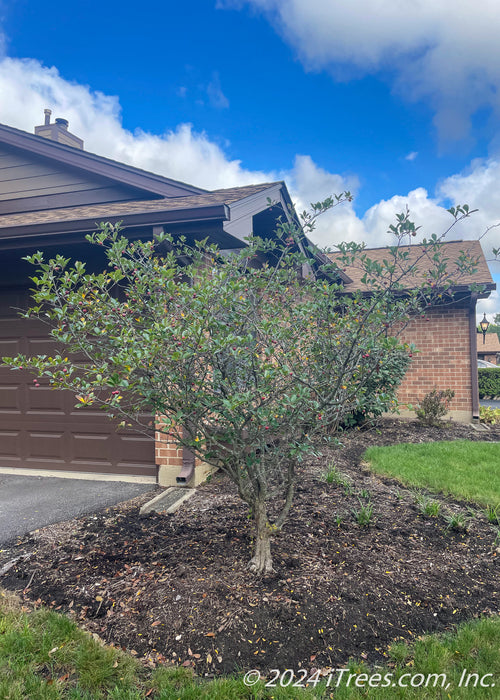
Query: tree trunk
(261, 562)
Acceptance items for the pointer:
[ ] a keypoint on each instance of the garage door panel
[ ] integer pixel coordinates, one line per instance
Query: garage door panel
(42, 346)
(43, 399)
(10, 399)
(133, 446)
(91, 446)
(46, 445)
(15, 328)
(10, 444)
(9, 347)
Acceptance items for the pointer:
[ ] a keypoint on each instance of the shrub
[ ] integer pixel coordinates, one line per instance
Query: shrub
(381, 388)
(246, 357)
(435, 405)
(489, 415)
(489, 382)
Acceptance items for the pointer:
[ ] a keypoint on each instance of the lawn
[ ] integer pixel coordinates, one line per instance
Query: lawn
(465, 470)
(45, 656)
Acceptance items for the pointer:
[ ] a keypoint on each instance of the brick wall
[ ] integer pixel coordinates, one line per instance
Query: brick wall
(167, 454)
(442, 336)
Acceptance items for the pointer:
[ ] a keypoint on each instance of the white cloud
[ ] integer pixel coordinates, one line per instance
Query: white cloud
(27, 88)
(443, 51)
(489, 306)
(411, 156)
(432, 215)
(477, 187)
(309, 183)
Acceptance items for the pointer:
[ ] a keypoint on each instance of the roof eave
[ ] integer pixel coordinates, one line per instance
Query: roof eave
(488, 287)
(219, 212)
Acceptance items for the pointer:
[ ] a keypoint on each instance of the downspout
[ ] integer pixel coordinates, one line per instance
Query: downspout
(188, 465)
(473, 358)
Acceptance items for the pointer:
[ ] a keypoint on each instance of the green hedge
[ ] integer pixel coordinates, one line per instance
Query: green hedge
(489, 382)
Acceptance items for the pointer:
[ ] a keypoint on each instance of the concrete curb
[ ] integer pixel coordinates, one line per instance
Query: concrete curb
(168, 501)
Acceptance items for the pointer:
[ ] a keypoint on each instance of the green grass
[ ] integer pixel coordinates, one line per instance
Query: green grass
(45, 656)
(462, 469)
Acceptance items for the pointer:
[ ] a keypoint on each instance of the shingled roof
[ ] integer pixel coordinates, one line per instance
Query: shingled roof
(491, 344)
(421, 257)
(99, 212)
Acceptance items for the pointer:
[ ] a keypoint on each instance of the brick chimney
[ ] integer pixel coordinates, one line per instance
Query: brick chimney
(58, 131)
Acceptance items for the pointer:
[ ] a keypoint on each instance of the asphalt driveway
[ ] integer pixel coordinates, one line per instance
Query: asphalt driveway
(30, 502)
(490, 402)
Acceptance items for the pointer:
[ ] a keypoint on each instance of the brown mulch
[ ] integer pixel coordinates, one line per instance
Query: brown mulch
(175, 588)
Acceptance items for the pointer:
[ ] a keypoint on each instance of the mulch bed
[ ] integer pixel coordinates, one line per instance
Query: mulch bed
(175, 588)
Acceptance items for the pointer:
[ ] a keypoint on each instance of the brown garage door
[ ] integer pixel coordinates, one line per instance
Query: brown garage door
(41, 429)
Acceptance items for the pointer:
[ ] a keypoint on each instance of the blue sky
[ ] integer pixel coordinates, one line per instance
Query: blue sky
(396, 107)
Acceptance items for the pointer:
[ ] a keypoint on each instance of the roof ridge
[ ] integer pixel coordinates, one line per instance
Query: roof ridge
(421, 245)
(261, 185)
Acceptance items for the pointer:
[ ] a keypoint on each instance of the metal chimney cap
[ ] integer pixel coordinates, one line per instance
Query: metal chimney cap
(47, 113)
(62, 122)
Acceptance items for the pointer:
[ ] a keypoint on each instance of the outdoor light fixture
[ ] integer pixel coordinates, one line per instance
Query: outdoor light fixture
(484, 324)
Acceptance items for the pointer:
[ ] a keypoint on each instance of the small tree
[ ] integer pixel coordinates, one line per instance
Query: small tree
(246, 358)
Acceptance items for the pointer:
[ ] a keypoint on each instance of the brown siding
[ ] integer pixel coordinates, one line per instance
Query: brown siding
(29, 184)
(71, 198)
